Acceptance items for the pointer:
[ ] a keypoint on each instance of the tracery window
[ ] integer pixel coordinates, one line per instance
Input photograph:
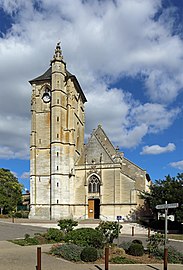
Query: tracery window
(93, 184)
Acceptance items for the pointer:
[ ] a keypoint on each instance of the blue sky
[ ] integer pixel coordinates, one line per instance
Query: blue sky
(128, 58)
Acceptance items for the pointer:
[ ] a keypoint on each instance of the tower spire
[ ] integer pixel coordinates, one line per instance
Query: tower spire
(58, 53)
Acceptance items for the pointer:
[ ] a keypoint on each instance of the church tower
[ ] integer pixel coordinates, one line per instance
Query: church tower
(57, 140)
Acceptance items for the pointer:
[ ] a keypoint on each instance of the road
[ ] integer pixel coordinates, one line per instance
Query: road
(10, 231)
(176, 244)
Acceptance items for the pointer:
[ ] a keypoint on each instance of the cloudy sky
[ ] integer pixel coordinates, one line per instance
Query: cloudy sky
(128, 58)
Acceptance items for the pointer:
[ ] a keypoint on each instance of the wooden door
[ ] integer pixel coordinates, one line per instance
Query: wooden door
(90, 208)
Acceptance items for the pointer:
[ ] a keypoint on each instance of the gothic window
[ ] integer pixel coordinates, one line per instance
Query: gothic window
(93, 184)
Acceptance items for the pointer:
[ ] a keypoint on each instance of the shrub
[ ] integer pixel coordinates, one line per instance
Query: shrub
(174, 256)
(89, 254)
(125, 245)
(137, 241)
(26, 242)
(121, 260)
(85, 237)
(17, 215)
(109, 229)
(116, 251)
(54, 234)
(136, 249)
(26, 236)
(67, 225)
(70, 252)
(154, 242)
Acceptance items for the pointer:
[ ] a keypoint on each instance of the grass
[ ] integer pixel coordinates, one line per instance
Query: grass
(175, 236)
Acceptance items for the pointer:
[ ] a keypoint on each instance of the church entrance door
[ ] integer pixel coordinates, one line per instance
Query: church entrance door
(94, 208)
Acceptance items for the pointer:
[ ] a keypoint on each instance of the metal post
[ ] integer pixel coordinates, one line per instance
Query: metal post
(166, 223)
(118, 232)
(165, 258)
(149, 232)
(38, 267)
(107, 258)
(166, 230)
(132, 231)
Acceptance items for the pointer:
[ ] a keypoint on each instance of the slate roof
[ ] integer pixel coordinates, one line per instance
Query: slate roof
(43, 77)
(47, 77)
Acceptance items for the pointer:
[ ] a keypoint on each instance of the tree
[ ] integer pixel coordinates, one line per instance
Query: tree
(10, 191)
(67, 225)
(171, 190)
(109, 229)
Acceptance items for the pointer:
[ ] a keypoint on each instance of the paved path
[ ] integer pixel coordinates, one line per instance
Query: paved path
(14, 257)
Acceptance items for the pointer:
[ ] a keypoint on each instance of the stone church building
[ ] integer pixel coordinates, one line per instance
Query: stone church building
(69, 179)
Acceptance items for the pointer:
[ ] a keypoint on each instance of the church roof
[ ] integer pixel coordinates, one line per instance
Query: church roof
(43, 77)
(99, 146)
(104, 140)
(47, 77)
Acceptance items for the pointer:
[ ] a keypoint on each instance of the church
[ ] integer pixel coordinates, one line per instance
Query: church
(70, 179)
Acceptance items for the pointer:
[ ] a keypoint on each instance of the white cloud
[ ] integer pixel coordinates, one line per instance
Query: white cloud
(102, 42)
(156, 149)
(177, 164)
(25, 175)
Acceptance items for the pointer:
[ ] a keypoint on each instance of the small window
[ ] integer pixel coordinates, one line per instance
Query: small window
(58, 101)
(57, 168)
(57, 184)
(57, 201)
(57, 118)
(57, 135)
(57, 154)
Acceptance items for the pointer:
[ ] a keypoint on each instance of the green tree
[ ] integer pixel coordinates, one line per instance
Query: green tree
(109, 229)
(171, 190)
(67, 225)
(10, 191)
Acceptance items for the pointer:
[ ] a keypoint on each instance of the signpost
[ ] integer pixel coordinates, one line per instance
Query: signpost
(118, 219)
(166, 206)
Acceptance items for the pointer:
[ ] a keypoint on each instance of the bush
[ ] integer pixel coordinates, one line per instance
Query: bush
(54, 234)
(21, 214)
(85, 237)
(28, 241)
(173, 255)
(137, 241)
(89, 254)
(125, 245)
(67, 225)
(136, 249)
(121, 260)
(154, 242)
(116, 251)
(17, 215)
(68, 252)
(109, 229)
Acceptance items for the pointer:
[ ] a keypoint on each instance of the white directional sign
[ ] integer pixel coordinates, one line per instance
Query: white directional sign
(167, 205)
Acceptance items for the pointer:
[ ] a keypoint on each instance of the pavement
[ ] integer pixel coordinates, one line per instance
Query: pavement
(14, 257)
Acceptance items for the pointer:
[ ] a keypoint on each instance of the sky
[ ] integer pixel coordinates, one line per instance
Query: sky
(127, 56)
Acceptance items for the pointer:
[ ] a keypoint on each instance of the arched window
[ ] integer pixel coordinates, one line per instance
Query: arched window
(93, 184)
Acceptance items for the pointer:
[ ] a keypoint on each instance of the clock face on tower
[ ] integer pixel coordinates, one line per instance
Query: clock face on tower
(46, 96)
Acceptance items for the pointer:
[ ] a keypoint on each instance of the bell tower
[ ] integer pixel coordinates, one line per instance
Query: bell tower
(57, 139)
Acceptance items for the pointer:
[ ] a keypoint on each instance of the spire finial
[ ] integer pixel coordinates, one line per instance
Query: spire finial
(58, 52)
